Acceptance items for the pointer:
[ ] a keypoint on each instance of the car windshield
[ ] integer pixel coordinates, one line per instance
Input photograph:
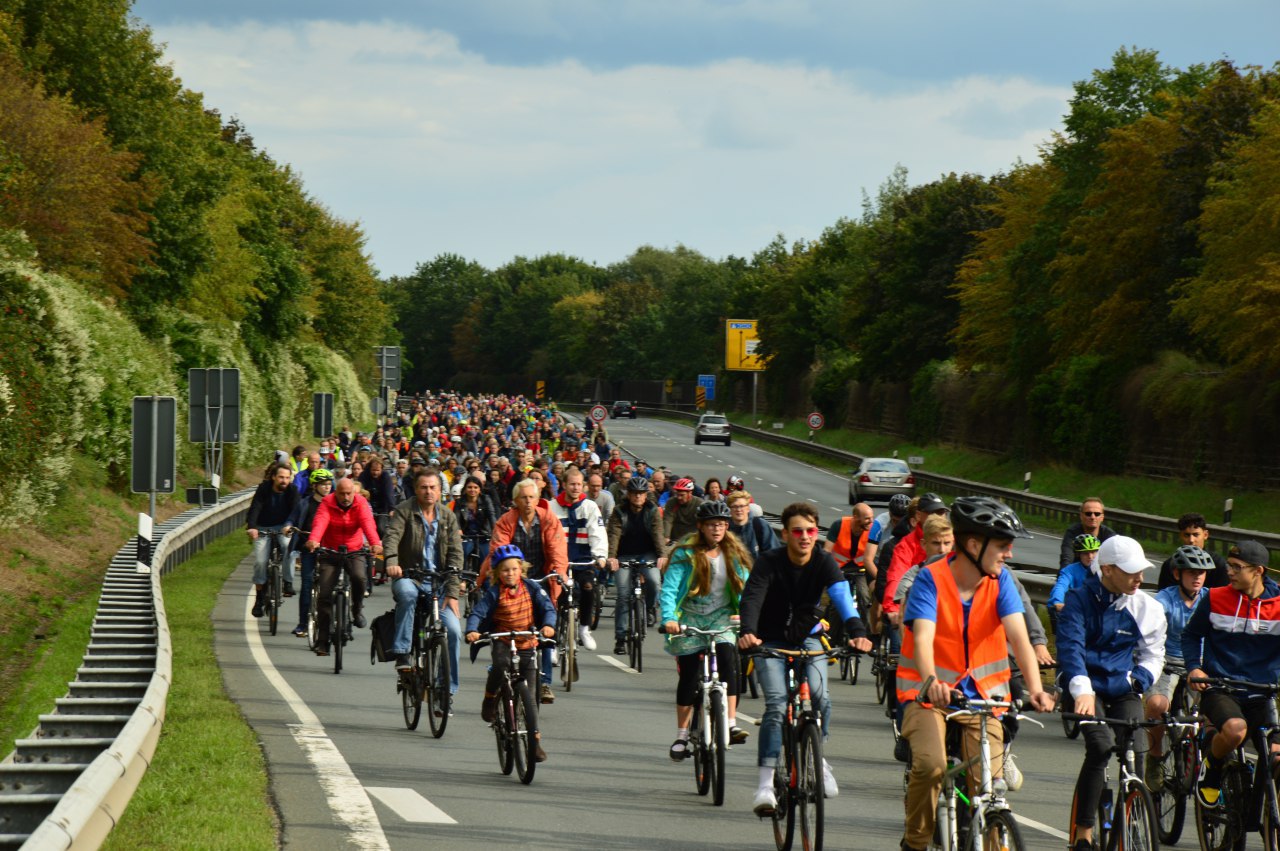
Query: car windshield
(887, 465)
(623, 404)
(714, 420)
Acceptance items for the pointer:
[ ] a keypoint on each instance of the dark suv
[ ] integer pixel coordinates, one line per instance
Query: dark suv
(622, 409)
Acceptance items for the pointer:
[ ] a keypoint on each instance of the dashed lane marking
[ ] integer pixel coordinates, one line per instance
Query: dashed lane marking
(626, 669)
(409, 805)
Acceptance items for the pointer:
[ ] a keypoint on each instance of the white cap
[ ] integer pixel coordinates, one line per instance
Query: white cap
(1124, 553)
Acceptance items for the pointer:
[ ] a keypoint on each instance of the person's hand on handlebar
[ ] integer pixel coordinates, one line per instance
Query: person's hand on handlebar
(1042, 701)
(312, 545)
(613, 565)
(860, 644)
(1084, 704)
(470, 637)
(939, 693)
(1194, 675)
(671, 628)
(253, 534)
(394, 571)
(746, 641)
(548, 632)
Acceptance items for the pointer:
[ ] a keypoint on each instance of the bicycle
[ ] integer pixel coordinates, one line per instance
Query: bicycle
(340, 628)
(797, 781)
(709, 726)
(1248, 795)
(1132, 825)
(275, 575)
(471, 565)
(884, 665)
(429, 652)
(566, 640)
(514, 706)
(990, 822)
(1181, 762)
(378, 577)
(637, 612)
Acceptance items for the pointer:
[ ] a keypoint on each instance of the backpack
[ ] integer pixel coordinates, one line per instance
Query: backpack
(383, 630)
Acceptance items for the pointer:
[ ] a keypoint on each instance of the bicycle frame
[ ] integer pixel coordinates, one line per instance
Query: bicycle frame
(1115, 833)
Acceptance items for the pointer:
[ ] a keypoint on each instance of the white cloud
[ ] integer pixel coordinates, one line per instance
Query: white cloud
(434, 149)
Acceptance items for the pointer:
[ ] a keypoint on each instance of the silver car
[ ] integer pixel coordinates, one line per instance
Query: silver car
(712, 427)
(880, 478)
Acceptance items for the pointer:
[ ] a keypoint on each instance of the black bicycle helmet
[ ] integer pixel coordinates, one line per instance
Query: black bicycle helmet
(930, 503)
(1188, 557)
(638, 484)
(982, 515)
(712, 510)
(899, 503)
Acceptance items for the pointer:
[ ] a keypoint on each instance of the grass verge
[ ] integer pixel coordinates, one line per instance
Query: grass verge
(207, 786)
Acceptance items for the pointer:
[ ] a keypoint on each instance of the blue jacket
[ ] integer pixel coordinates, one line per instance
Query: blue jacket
(1071, 576)
(1241, 636)
(544, 613)
(1110, 644)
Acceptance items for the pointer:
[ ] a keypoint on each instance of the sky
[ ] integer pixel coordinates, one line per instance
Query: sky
(501, 128)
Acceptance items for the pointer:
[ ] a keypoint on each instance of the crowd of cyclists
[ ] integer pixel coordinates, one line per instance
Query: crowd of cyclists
(523, 492)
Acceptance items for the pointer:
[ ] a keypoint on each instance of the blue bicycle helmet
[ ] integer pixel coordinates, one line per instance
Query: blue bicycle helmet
(505, 552)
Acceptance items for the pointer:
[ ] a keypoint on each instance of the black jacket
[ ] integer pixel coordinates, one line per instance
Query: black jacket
(777, 590)
(1068, 554)
(262, 513)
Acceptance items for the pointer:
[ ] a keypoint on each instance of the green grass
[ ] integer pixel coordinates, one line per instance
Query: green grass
(1253, 510)
(207, 786)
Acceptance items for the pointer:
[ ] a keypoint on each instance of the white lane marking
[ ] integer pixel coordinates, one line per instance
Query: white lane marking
(615, 663)
(410, 806)
(837, 508)
(745, 717)
(773, 484)
(1041, 826)
(347, 798)
(793, 493)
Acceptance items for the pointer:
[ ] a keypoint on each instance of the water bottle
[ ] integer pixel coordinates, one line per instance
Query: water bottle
(1104, 808)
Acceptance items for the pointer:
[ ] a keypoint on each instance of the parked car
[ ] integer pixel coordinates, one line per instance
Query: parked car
(622, 408)
(713, 427)
(880, 478)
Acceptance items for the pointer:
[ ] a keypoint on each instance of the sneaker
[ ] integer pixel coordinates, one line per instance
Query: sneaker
(1012, 776)
(620, 647)
(1209, 785)
(586, 639)
(765, 802)
(358, 619)
(902, 750)
(829, 787)
(1153, 775)
(403, 662)
(288, 589)
(539, 755)
(487, 707)
(300, 632)
(367, 592)
(680, 750)
(545, 694)
(737, 735)
(652, 619)
(321, 651)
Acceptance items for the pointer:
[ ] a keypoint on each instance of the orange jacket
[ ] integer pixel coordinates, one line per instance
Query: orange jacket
(555, 551)
(987, 659)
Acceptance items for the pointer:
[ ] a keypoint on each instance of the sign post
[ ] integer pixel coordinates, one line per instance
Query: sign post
(154, 467)
(598, 413)
(816, 421)
(214, 415)
(321, 414)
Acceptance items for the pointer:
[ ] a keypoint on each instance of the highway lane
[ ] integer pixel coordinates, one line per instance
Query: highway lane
(608, 782)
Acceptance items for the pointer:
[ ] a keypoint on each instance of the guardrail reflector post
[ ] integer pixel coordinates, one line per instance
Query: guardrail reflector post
(143, 561)
(1026, 482)
(1226, 511)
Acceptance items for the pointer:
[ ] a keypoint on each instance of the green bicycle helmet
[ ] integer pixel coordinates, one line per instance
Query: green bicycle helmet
(321, 475)
(1085, 544)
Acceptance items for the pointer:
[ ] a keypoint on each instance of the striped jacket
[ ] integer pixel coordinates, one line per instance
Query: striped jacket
(1241, 636)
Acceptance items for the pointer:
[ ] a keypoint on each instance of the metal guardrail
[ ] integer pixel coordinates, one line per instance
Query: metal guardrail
(67, 784)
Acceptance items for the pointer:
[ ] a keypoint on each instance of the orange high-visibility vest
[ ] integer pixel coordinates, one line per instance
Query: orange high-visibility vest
(988, 654)
(843, 548)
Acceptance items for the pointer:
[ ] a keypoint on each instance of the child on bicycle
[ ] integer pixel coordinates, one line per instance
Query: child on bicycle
(1110, 651)
(1191, 566)
(512, 603)
(1239, 625)
(701, 587)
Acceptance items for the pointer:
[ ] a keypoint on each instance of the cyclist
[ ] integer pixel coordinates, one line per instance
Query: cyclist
(1240, 627)
(301, 520)
(476, 514)
(713, 490)
(756, 534)
(425, 535)
(847, 541)
(511, 603)
(597, 494)
(737, 483)
(908, 550)
(701, 587)
(962, 615)
(586, 541)
(1191, 567)
(781, 607)
(540, 537)
(1194, 531)
(1111, 650)
(1091, 513)
(343, 519)
(680, 514)
(1072, 576)
(269, 511)
(899, 508)
(635, 534)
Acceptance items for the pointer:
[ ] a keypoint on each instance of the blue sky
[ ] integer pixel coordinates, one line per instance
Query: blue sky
(497, 128)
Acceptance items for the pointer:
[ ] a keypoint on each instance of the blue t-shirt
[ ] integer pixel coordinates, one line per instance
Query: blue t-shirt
(922, 602)
(1176, 614)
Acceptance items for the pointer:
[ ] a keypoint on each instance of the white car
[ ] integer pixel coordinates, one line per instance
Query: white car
(713, 427)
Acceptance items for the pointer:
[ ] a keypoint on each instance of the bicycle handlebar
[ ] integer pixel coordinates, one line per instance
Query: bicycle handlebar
(1239, 685)
(781, 653)
(487, 638)
(1114, 722)
(363, 551)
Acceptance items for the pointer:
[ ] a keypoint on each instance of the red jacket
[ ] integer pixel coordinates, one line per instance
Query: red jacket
(335, 528)
(907, 553)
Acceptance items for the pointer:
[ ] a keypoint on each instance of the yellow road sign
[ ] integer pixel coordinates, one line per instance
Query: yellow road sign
(740, 345)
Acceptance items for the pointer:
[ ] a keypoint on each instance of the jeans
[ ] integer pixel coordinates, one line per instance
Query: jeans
(262, 551)
(773, 680)
(304, 596)
(622, 591)
(406, 593)
(585, 580)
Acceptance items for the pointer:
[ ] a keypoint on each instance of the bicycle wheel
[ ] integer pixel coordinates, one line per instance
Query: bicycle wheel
(701, 768)
(784, 815)
(524, 743)
(435, 672)
(880, 669)
(1141, 830)
(719, 741)
(504, 720)
(1270, 827)
(844, 667)
(635, 622)
(1219, 828)
(338, 631)
(569, 650)
(410, 698)
(275, 593)
(854, 663)
(311, 619)
(1071, 727)
(1000, 831)
(1171, 800)
(809, 795)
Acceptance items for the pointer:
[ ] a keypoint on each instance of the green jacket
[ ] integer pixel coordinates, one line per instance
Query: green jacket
(403, 541)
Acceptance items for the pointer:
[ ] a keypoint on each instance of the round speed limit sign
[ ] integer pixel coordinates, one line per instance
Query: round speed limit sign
(598, 413)
(816, 421)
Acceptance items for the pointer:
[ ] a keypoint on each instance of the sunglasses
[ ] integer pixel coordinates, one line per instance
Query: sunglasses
(811, 532)
(1092, 513)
